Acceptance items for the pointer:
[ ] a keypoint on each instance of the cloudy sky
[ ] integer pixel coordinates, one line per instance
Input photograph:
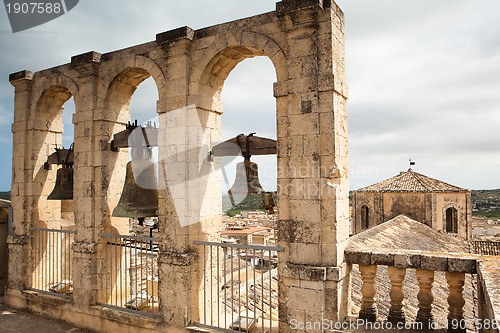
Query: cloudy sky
(424, 79)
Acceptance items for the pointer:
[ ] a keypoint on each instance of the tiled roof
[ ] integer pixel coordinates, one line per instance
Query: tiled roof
(405, 234)
(411, 181)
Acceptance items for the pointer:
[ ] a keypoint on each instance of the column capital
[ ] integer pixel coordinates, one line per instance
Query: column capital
(22, 79)
(86, 63)
(286, 6)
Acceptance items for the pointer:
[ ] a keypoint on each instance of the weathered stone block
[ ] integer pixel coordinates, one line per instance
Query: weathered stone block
(358, 257)
(462, 265)
(381, 257)
(22, 75)
(88, 57)
(433, 262)
(407, 260)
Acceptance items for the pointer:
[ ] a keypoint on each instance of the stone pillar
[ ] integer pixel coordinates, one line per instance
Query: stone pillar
(18, 245)
(425, 279)
(456, 301)
(313, 189)
(190, 198)
(397, 295)
(86, 260)
(368, 309)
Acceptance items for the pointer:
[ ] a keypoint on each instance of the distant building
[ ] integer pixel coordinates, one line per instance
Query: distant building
(252, 213)
(256, 235)
(441, 206)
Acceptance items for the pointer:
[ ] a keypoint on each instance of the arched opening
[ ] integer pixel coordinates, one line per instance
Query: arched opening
(52, 130)
(53, 221)
(249, 108)
(452, 220)
(243, 112)
(132, 96)
(365, 217)
(131, 255)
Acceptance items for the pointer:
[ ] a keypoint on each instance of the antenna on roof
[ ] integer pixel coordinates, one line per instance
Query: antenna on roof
(411, 163)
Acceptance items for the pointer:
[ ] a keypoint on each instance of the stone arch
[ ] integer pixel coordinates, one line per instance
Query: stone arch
(365, 216)
(120, 85)
(117, 69)
(46, 134)
(121, 78)
(451, 218)
(221, 58)
(60, 80)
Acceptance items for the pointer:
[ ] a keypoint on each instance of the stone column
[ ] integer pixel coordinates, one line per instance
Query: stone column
(425, 279)
(86, 261)
(397, 295)
(190, 198)
(19, 248)
(313, 207)
(456, 301)
(368, 309)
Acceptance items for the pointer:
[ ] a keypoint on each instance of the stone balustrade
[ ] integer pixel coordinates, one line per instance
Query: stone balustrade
(425, 264)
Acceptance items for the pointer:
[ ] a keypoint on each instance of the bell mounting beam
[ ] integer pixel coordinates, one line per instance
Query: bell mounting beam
(246, 145)
(61, 156)
(123, 139)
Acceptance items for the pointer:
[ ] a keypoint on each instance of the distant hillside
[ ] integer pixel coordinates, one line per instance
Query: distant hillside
(5, 195)
(253, 202)
(486, 203)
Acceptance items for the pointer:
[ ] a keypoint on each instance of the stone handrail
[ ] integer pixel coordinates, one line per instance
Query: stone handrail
(456, 265)
(488, 280)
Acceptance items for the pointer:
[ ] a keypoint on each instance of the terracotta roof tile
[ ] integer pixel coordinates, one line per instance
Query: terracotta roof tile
(411, 181)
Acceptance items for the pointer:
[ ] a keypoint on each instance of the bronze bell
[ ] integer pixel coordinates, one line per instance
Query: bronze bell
(63, 190)
(247, 179)
(139, 198)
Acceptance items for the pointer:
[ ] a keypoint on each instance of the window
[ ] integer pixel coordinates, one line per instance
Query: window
(452, 220)
(365, 219)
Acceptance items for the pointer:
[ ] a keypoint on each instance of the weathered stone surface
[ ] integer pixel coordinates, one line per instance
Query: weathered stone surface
(189, 68)
(22, 75)
(84, 247)
(382, 257)
(286, 6)
(358, 257)
(462, 264)
(87, 57)
(175, 34)
(177, 259)
(489, 288)
(434, 262)
(407, 259)
(17, 239)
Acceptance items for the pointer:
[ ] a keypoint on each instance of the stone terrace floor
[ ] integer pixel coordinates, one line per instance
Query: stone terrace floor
(21, 322)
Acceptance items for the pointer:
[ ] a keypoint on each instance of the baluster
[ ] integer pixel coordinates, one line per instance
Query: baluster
(425, 279)
(397, 295)
(368, 309)
(456, 301)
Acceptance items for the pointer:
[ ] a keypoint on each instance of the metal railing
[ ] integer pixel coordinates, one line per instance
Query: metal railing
(131, 273)
(52, 260)
(240, 287)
